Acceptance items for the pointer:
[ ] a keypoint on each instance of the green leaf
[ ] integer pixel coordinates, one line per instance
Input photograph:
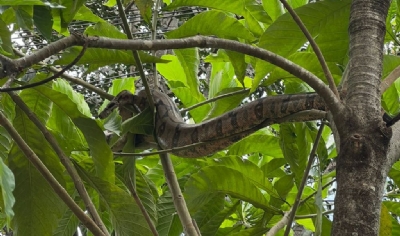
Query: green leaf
(204, 23)
(43, 20)
(105, 29)
(309, 61)
(205, 184)
(85, 14)
(5, 38)
(212, 225)
(325, 20)
(125, 215)
(24, 15)
(140, 124)
(36, 202)
(274, 8)
(261, 141)
(7, 184)
(295, 148)
(168, 220)
(67, 225)
(99, 149)
(68, 13)
(182, 86)
(273, 168)
(385, 226)
(283, 185)
(145, 7)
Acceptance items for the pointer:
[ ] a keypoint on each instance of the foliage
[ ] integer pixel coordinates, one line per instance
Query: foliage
(242, 190)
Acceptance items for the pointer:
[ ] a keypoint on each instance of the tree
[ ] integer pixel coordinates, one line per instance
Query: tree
(63, 166)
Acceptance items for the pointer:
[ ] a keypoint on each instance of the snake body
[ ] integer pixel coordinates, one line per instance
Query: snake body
(215, 134)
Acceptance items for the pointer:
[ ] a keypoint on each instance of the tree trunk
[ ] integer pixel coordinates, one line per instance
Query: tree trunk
(362, 164)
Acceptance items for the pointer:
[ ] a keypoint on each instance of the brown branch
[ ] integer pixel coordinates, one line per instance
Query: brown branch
(317, 50)
(64, 160)
(55, 185)
(303, 181)
(280, 224)
(330, 98)
(179, 201)
(56, 75)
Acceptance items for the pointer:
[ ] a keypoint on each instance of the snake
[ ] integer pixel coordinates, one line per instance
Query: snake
(217, 133)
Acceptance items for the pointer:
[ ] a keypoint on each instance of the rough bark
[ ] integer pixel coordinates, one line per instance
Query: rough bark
(362, 164)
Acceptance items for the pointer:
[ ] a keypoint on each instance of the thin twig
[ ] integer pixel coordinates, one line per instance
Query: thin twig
(304, 180)
(323, 187)
(317, 51)
(55, 185)
(314, 215)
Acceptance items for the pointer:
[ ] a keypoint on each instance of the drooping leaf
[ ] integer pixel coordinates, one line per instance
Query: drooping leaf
(385, 226)
(261, 141)
(67, 225)
(125, 215)
(36, 203)
(182, 86)
(43, 20)
(168, 220)
(209, 181)
(204, 23)
(328, 20)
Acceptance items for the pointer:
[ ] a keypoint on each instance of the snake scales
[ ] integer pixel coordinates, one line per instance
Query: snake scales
(217, 133)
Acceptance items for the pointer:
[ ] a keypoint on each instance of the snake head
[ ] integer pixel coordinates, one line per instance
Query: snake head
(123, 99)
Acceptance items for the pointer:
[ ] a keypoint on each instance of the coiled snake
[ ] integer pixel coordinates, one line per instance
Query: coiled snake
(217, 133)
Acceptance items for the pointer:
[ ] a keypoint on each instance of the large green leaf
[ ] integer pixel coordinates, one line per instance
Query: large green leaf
(67, 225)
(209, 181)
(36, 202)
(71, 108)
(43, 20)
(125, 215)
(244, 8)
(168, 220)
(182, 86)
(262, 141)
(295, 147)
(211, 226)
(204, 23)
(327, 21)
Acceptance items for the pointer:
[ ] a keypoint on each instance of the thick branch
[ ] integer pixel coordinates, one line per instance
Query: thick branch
(331, 100)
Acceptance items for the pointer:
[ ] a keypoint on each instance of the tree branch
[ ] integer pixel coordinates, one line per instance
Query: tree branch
(324, 91)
